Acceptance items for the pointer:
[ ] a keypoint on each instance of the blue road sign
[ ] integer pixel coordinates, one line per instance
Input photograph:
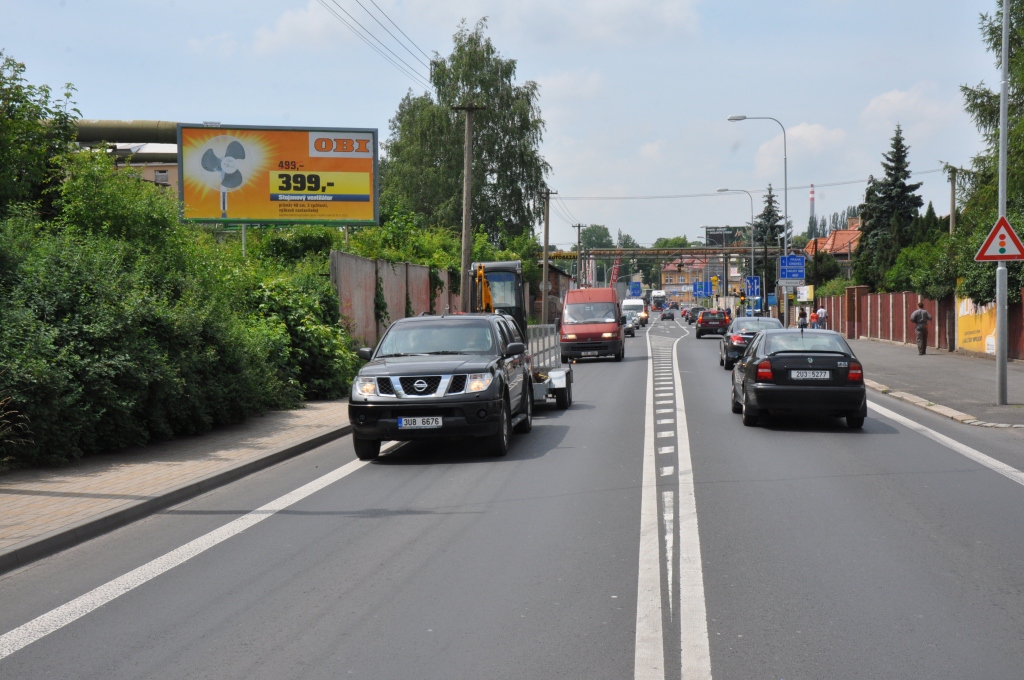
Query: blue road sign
(753, 286)
(792, 267)
(634, 289)
(771, 300)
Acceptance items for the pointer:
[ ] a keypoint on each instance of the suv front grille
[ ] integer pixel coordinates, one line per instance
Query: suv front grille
(458, 384)
(384, 386)
(409, 384)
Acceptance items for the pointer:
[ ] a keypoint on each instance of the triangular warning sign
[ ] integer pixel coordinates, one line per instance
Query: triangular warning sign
(1002, 243)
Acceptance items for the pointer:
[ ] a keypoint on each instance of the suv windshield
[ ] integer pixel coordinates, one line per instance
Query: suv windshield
(755, 324)
(806, 342)
(449, 337)
(590, 312)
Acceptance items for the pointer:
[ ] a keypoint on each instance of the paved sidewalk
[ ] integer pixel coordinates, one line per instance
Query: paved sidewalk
(966, 384)
(43, 511)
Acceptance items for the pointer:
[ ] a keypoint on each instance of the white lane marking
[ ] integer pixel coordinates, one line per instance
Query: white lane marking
(56, 619)
(693, 621)
(666, 433)
(666, 401)
(665, 410)
(666, 449)
(668, 514)
(649, 648)
(666, 421)
(667, 470)
(977, 456)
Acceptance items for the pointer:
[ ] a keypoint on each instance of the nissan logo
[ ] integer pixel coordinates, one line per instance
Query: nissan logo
(420, 385)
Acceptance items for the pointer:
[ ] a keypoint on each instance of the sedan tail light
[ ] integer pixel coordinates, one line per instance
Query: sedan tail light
(856, 373)
(737, 339)
(764, 372)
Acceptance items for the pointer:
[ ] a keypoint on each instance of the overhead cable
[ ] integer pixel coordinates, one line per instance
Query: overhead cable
(372, 16)
(410, 74)
(716, 193)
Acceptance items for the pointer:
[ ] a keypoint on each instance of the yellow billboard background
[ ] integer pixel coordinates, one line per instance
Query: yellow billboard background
(976, 326)
(283, 176)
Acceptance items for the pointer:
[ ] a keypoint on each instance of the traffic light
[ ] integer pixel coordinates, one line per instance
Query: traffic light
(714, 281)
(743, 298)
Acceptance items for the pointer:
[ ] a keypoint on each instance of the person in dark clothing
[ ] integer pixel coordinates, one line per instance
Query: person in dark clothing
(920, 318)
(801, 319)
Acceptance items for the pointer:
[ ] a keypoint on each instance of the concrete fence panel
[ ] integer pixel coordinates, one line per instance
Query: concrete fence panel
(393, 281)
(354, 279)
(418, 277)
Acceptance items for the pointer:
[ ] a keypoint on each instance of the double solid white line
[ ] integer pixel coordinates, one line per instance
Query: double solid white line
(649, 656)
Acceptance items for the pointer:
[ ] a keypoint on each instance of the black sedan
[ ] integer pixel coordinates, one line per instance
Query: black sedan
(739, 334)
(799, 371)
(693, 312)
(438, 377)
(668, 315)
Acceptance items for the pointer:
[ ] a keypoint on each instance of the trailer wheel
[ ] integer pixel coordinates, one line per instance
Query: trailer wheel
(563, 397)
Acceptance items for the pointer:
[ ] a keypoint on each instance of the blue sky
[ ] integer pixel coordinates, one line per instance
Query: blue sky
(635, 93)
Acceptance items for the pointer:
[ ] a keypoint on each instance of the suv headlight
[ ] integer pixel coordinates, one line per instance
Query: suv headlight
(366, 387)
(478, 382)
(569, 336)
(607, 335)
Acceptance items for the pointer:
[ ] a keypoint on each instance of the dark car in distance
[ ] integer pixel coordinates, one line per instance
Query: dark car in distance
(711, 321)
(693, 312)
(810, 372)
(739, 334)
(443, 376)
(668, 315)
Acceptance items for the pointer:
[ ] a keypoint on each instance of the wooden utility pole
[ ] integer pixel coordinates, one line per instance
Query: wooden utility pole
(544, 276)
(952, 200)
(579, 253)
(467, 203)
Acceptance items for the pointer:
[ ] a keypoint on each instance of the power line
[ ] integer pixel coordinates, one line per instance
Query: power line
(753, 191)
(400, 29)
(567, 210)
(412, 75)
(419, 76)
(392, 34)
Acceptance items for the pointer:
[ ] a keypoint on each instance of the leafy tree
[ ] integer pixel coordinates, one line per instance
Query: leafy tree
(673, 242)
(821, 268)
(978, 186)
(34, 130)
(823, 228)
(422, 169)
(799, 242)
(890, 206)
(812, 228)
(768, 229)
(627, 241)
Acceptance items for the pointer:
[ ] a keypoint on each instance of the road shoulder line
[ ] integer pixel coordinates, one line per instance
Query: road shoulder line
(52, 542)
(693, 621)
(939, 409)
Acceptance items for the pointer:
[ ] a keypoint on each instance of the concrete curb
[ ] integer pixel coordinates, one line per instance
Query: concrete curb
(44, 545)
(941, 410)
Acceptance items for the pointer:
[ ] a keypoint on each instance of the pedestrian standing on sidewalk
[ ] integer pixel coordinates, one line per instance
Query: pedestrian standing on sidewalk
(921, 317)
(822, 317)
(814, 319)
(801, 319)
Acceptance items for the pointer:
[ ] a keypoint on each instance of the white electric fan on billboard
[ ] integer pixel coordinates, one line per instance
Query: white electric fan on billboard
(227, 167)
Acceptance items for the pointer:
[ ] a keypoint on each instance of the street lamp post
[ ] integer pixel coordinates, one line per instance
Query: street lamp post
(730, 191)
(785, 197)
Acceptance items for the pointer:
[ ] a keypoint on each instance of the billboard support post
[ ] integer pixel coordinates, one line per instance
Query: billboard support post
(1002, 312)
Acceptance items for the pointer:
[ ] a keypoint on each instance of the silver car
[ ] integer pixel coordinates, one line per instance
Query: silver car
(632, 321)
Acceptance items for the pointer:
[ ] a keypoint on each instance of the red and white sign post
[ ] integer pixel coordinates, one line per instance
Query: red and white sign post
(1001, 245)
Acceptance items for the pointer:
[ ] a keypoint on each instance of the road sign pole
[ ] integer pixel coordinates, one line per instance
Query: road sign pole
(1002, 322)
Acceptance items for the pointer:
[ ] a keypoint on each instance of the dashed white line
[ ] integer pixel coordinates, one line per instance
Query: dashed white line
(649, 647)
(668, 514)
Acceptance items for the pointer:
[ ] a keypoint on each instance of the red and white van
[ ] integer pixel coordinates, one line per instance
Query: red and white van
(592, 324)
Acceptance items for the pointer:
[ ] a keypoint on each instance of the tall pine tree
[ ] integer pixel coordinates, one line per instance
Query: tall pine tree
(767, 230)
(887, 215)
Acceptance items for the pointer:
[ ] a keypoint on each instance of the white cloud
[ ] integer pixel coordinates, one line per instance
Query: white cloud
(651, 150)
(806, 140)
(311, 27)
(916, 109)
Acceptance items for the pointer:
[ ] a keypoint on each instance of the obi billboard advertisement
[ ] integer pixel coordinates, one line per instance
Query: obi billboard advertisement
(278, 175)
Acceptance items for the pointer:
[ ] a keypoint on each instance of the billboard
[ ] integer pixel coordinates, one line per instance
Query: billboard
(278, 175)
(727, 236)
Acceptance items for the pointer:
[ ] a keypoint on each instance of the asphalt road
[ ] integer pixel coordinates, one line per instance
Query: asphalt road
(813, 552)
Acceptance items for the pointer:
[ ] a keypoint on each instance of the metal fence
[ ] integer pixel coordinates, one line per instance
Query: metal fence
(544, 346)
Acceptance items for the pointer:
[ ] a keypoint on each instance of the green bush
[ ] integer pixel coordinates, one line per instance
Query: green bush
(119, 325)
(836, 286)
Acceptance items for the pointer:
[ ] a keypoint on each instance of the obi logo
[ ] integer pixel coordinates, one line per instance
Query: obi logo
(340, 144)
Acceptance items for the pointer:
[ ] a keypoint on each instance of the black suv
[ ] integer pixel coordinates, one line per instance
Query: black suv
(443, 376)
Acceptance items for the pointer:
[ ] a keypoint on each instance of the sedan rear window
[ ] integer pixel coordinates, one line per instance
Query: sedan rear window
(754, 324)
(806, 342)
(713, 316)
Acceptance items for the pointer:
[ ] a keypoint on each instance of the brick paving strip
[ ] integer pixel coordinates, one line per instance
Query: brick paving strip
(45, 511)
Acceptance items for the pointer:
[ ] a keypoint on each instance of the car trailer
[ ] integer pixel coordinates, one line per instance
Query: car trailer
(551, 378)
